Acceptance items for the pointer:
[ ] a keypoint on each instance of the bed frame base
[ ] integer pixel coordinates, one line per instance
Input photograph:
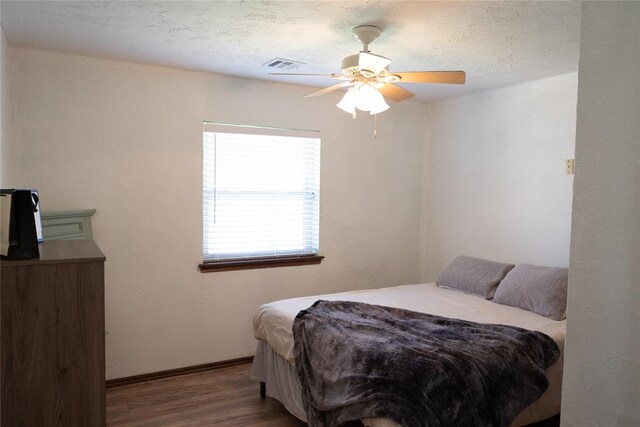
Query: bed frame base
(263, 390)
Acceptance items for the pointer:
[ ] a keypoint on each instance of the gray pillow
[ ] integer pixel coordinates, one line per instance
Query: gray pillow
(542, 290)
(473, 276)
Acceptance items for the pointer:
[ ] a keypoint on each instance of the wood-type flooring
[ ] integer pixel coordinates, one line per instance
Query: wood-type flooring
(224, 397)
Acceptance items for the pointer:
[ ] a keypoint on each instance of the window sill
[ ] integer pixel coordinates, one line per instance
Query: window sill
(245, 264)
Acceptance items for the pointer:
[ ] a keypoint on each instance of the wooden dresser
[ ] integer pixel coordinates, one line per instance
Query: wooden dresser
(52, 337)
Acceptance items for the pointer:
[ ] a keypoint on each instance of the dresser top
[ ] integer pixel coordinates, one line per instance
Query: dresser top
(61, 251)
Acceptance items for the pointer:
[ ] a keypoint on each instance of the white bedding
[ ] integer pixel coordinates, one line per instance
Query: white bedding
(273, 324)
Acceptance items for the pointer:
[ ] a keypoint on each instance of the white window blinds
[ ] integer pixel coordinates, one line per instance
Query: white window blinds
(261, 193)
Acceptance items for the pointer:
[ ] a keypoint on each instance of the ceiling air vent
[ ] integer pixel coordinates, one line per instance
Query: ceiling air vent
(281, 64)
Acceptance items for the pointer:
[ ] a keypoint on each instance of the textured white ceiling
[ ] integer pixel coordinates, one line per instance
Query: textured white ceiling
(496, 43)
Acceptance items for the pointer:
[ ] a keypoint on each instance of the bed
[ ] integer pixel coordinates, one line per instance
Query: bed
(274, 361)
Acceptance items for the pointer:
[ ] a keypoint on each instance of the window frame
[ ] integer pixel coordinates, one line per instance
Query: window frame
(263, 262)
(243, 263)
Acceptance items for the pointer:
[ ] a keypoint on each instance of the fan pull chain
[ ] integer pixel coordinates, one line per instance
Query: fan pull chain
(375, 125)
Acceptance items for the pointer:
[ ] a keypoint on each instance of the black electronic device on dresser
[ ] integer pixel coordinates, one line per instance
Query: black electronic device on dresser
(20, 223)
(52, 337)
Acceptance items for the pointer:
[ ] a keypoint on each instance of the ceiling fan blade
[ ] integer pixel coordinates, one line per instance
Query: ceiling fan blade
(454, 77)
(333, 76)
(395, 93)
(329, 89)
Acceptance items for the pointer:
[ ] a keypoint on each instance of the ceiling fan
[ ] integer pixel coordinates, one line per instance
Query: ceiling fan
(369, 80)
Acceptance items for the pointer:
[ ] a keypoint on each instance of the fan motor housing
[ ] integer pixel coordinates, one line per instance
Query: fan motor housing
(350, 64)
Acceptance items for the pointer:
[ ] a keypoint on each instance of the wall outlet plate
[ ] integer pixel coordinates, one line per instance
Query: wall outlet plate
(569, 166)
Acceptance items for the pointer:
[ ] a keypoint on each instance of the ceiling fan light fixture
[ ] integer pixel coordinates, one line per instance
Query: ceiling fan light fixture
(364, 97)
(370, 79)
(367, 97)
(379, 105)
(348, 101)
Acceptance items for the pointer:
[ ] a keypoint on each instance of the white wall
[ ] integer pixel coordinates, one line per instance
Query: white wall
(602, 379)
(4, 112)
(495, 179)
(126, 139)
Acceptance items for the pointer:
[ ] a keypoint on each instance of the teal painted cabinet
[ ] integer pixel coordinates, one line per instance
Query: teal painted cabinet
(67, 225)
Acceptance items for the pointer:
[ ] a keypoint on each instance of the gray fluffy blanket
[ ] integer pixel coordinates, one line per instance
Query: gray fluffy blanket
(358, 360)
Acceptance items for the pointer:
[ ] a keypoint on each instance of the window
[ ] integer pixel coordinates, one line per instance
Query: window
(261, 197)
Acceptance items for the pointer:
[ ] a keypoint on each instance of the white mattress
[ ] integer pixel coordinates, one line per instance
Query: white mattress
(274, 321)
